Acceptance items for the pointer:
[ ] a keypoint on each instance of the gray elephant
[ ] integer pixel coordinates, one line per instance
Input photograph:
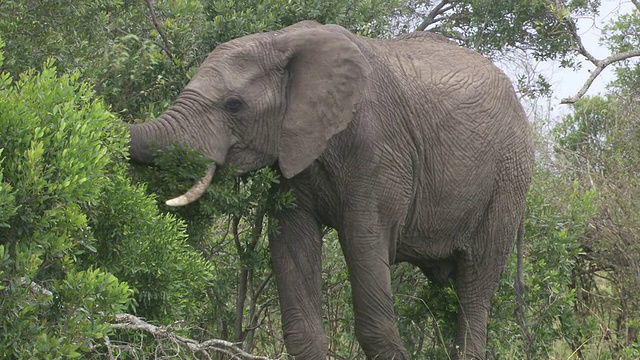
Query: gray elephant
(413, 149)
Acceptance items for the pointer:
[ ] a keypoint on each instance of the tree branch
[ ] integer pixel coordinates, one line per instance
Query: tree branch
(242, 296)
(35, 289)
(431, 17)
(636, 3)
(154, 18)
(571, 25)
(236, 235)
(130, 322)
(600, 65)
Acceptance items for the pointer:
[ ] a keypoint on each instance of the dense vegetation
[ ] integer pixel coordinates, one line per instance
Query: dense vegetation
(84, 236)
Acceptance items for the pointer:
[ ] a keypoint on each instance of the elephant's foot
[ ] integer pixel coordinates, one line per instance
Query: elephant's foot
(382, 345)
(393, 355)
(307, 353)
(304, 339)
(462, 353)
(307, 347)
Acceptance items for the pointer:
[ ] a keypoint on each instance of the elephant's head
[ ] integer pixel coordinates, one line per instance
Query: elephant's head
(261, 99)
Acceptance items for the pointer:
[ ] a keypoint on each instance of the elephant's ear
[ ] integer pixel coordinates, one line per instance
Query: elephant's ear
(326, 74)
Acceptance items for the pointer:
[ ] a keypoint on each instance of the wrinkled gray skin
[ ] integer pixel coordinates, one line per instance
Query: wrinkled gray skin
(413, 149)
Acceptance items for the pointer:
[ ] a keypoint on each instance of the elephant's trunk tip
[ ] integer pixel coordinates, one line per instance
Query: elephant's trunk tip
(196, 191)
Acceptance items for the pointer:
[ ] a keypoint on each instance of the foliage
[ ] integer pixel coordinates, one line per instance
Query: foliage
(149, 251)
(71, 221)
(536, 31)
(53, 170)
(589, 129)
(604, 158)
(622, 35)
(231, 19)
(514, 24)
(426, 313)
(65, 30)
(553, 228)
(542, 28)
(152, 50)
(113, 43)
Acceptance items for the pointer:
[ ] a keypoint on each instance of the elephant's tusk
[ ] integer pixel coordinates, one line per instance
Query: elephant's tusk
(195, 192)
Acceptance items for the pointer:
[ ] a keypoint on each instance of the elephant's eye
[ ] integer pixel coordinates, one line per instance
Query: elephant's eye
(233, 105)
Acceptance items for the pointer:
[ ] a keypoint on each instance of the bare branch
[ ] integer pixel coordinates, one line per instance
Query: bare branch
(257, 227)
(154, 18)
(263, 308)
(242, 296)
(35, 289)
(571, 25)
(236, 234)
(600, 65)
(263, 284)
(636, 3)
(431, 17)
(131, 322)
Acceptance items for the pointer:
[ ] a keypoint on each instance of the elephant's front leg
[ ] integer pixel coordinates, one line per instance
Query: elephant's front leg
(367, 253)
(297, 260)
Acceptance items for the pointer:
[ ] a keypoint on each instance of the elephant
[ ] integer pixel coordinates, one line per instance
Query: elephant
(413, 149)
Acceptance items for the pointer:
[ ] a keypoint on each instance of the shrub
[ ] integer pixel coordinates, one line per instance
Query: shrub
(70, 222)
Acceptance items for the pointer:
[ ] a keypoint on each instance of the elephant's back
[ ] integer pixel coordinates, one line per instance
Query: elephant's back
(468, 132)
(437, 50)
(456, 108)
(465, 92)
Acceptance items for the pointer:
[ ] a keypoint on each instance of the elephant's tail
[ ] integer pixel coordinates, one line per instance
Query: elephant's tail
(519, 284)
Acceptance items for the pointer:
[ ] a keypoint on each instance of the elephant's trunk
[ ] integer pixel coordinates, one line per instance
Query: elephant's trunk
(147, 137)
(196, 191)
(150, 136)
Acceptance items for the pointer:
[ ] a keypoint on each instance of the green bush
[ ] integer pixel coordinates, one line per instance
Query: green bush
(54, 141)
(73, 228)
(553, 228)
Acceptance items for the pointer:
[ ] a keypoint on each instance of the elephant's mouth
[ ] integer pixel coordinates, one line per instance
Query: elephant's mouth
(196, 191)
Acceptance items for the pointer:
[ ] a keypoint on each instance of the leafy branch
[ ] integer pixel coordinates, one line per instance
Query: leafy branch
(546, 30)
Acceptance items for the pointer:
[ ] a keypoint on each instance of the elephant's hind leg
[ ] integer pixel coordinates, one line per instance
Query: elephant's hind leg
(475, 288)
(478, 272)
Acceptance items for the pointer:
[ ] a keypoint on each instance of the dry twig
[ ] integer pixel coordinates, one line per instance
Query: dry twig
(134, 323)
